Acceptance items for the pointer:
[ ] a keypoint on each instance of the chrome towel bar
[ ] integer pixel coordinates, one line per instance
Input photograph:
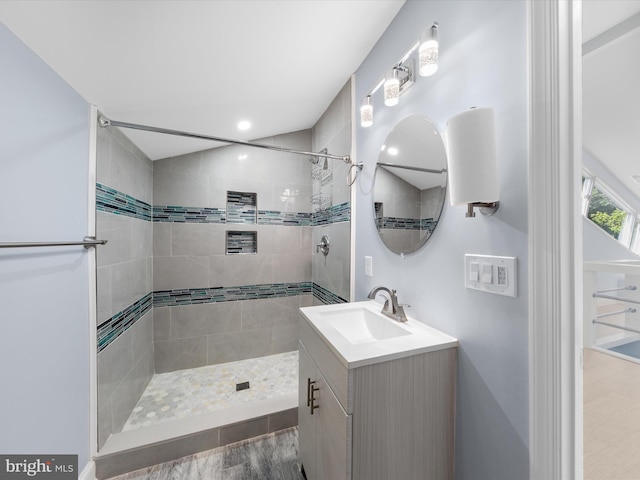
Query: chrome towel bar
(615, 297)
(628, 287)
(87, 242)
(615, 326)
(620, 312)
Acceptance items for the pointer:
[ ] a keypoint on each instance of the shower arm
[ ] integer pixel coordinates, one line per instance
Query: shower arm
(105, 122)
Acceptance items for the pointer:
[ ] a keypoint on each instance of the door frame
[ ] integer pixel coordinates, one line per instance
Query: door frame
(555, 239)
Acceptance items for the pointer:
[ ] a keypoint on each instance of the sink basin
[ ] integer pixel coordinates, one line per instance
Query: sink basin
(360, 335)
(360, 325)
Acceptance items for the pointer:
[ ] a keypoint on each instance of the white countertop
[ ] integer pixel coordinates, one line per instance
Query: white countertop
(419, 338)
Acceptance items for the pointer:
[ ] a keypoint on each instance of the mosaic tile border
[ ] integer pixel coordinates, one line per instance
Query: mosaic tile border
(294, 219)
(177, 214)
(113, 201)
(112, 328)
(109, 330)
(334, 214)
(326, 296)
(190, 296)
(398, 223)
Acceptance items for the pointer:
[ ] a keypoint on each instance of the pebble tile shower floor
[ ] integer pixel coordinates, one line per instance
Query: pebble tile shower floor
(184, 393)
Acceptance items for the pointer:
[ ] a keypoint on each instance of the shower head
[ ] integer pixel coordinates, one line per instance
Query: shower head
(317, 160)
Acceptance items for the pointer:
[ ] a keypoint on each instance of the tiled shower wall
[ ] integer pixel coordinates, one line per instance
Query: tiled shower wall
(191, 267)
(333, 132)
(169, 295)
(125, 317)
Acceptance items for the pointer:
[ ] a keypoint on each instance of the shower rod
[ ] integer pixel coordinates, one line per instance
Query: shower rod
(407, 167)
(105, 122)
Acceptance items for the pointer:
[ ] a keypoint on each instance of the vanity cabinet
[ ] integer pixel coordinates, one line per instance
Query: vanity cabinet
(386, 419)
(327, 428)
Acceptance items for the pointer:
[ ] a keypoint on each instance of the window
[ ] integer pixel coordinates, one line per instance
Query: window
(610, 213)
(635, 243)
(605, 213)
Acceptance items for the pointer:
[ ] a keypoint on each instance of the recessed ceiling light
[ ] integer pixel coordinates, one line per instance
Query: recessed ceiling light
(393, 151)
(244, 125)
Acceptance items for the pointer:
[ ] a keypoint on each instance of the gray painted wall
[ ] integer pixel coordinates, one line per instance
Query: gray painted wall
(483, 62)
(44, 348)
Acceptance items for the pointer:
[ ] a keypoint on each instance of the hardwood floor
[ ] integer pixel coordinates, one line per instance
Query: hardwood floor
(273, 456)
(611, 417)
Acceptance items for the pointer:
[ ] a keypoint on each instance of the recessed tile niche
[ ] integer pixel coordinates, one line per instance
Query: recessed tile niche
(242, 208)
(239, 242)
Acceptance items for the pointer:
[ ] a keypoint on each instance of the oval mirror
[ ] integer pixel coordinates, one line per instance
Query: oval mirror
(410, 184)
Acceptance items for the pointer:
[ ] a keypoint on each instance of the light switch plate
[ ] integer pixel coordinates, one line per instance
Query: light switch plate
(498, 275)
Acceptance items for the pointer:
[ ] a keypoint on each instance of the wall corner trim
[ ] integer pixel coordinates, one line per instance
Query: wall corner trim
(555, 240)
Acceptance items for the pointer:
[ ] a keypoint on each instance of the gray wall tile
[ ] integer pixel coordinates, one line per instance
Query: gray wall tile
(116, 229)
(175, 188)
(129, 283)
(248, 269)
(205, 319)
(172, 273)
(119, 463)
(197, 239)
(124, 276)
(125, 368)
(241, 431)
(282, 420)
(103, 285)
(270, 311)
(179, 354)
(284, 338)
(161, 323)
(230, 347)
(162, 239)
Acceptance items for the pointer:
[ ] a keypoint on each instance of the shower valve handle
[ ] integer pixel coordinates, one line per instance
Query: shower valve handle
(323, 246)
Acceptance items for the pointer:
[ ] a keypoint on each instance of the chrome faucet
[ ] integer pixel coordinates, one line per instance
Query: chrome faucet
(391, 307)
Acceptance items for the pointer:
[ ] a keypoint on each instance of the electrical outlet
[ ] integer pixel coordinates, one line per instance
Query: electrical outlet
(368, 266)
(491, 274)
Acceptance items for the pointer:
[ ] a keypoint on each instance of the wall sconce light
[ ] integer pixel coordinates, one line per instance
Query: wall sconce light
(473, 171)
(366, 112)
(391, 88)
(428, 51)
(401, 76)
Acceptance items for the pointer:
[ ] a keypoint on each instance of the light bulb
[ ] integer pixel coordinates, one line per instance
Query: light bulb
(428, 52)
(391, 88)
(366, 112)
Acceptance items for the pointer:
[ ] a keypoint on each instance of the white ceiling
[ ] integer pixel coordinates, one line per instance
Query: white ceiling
(202, 66)
(611, 95)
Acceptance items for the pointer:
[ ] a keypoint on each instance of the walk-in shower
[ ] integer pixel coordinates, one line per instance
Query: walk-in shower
(210, 255)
